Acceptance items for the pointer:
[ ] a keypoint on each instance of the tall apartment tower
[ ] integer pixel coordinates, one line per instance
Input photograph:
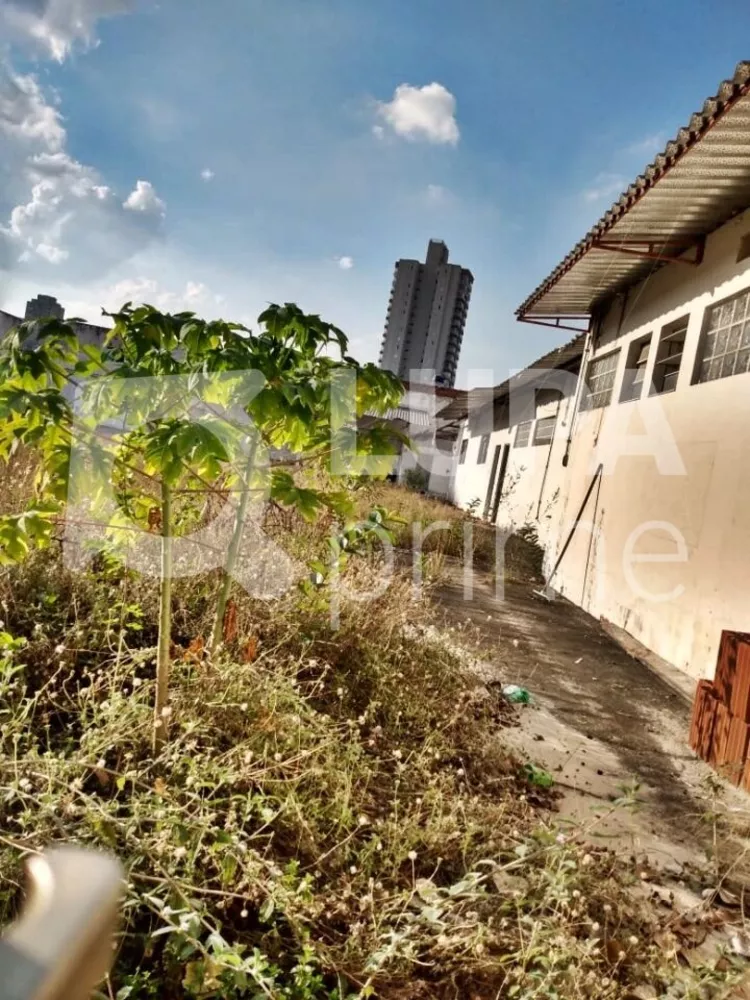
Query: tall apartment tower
(427, 312)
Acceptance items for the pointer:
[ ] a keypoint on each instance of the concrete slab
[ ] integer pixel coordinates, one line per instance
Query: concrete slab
(610, 729)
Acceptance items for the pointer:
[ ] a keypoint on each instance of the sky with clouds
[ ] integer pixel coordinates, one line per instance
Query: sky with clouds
(219, 155)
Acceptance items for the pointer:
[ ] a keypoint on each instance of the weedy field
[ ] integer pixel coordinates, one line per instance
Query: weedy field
(334, 815)
(307, 805)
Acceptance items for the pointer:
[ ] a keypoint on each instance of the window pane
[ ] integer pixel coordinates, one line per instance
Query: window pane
(643, 353)
(726, 339)
(523, 434)
(600, 380)
(669, 357)
(544, 430)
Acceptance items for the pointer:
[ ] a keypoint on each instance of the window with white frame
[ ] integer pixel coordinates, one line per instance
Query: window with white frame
(484, 443)
(600, 381)
(544, 430)
(725, 345)
(669, 357)
(635, 371)
(523, 434)
(462, 453)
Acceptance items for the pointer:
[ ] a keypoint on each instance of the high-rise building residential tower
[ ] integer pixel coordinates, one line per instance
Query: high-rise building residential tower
(426, 315)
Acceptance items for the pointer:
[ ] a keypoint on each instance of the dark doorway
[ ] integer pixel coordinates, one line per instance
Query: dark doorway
(495, 486)
(491, 481)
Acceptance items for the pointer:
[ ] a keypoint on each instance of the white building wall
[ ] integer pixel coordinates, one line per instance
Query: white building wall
(532, 486)
(663, 549)
(682, 502)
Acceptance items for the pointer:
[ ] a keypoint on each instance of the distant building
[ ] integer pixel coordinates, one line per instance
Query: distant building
(44, 307)
(431, 418)
(47, 307)
(427, 313)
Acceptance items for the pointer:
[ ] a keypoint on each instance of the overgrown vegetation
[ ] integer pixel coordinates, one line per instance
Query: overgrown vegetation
(433, 526)
(334, 815)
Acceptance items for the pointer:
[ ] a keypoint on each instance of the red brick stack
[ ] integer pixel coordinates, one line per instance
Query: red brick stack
(720, 727)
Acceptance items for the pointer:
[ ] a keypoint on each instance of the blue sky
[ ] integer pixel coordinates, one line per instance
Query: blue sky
(218, 155)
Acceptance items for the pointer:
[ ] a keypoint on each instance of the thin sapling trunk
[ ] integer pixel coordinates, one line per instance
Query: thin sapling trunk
(233, 550)
(161, 710)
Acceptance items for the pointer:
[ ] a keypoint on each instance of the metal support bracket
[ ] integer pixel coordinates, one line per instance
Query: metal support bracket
(651, 249)
(556, 324)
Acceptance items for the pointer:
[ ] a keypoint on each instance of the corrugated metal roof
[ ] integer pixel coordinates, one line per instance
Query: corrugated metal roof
(699, 182)
(565, 356)
(409, 414)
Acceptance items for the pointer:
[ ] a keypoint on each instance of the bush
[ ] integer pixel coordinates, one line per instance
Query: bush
(417, 479)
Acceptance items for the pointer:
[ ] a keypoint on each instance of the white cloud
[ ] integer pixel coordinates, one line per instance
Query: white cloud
(606, 186)
(64, 215)
(144, 199)
(427, 113)
(25, 115)
(54, 27)
(207, 174)
(378, 131)
(345, 263)
(195, 291)
(148, 290)
(436, 194)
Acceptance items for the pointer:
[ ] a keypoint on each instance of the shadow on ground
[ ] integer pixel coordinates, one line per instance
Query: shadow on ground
(602, 722)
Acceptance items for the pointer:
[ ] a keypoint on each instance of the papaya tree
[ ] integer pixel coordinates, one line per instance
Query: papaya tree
(189, 406)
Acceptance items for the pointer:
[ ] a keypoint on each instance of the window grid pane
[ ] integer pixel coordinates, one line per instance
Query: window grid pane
(669, 358)
(544, 430)
(600, 381)
(523, 434)
(484, 444)
(726, 341)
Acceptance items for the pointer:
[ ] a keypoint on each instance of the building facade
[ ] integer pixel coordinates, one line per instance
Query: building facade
(636, 472)
(427, 312)
(47, 307)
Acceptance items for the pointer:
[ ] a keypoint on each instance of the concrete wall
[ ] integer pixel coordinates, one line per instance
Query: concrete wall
(7, 323)
(531, 491)
(682, 503)
(664, 546)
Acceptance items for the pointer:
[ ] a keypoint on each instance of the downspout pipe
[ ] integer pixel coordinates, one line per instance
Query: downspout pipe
(587, 348)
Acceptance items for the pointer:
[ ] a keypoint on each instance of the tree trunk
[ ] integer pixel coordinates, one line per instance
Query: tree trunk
(161, 720)
(232, 552)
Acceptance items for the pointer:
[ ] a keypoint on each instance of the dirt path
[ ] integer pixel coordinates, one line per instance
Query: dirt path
(602, 722)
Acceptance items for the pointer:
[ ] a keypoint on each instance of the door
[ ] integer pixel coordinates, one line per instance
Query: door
(500, 481)
(491, 483)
